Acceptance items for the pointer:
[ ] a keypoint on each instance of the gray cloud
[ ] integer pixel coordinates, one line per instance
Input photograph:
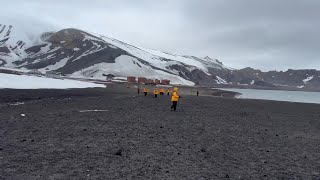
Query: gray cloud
(267, 34)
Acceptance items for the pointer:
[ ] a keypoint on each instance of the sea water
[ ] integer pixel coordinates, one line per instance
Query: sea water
(278, 95)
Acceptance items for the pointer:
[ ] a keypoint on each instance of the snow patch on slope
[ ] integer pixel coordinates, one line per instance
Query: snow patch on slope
(220, 80)
(305, 81)
(159, 58)
(129, 66)
(10, 81)
(56, 66)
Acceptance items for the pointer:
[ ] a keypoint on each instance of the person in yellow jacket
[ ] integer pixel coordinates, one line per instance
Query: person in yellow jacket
(145, 91)
(168, 91)
(174, 98)
(161, 91)
(155, 92)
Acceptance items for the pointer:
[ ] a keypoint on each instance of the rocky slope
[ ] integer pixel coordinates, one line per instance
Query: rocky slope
(77, 53)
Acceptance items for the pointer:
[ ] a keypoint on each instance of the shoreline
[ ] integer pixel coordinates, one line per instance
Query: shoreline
(277, 88)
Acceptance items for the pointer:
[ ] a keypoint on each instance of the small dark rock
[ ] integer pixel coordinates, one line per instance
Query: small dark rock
(1, 149)
(203, 150)
(119, 153)
(84, 129)
(277, 135)
(32, 140)
(161, 127)
(227, 176)
(23, 140)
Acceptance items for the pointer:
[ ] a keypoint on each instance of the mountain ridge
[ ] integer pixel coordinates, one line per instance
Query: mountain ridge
(77, 53)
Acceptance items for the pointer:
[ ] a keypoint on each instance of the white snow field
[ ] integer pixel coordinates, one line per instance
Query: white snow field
(10, 81)
(129, 66)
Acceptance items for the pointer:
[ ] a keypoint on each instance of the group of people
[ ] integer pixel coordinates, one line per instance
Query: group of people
(174, 95)
(156, 92)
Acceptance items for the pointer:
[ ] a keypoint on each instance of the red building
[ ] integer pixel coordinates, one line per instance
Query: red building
(165, 82)
(157, 81)
(142, 80)
(150, 81)
(131, 79)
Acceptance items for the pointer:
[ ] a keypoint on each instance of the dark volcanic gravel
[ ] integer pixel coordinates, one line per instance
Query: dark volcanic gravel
(140, 138)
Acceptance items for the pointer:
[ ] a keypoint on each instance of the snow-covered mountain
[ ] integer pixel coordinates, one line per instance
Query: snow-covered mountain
(14, 42)
(77, 53)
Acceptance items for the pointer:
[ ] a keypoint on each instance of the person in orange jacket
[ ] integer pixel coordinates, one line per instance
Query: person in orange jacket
(145, 91)
(155, 92)
(168, 91)
(174, 98)
(161, 91)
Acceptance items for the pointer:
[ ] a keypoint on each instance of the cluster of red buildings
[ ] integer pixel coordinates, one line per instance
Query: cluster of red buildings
(143, 80)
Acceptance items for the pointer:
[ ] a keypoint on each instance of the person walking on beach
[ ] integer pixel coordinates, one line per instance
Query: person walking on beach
(197, 93)
(168, 91)
(145, 91)
(138, 90)
(155, 92)
(161, 91)
(174, 98)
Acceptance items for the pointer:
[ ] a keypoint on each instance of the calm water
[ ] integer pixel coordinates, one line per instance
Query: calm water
(291, 96)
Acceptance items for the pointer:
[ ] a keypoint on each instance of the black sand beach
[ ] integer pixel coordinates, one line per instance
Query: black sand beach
(137, 137)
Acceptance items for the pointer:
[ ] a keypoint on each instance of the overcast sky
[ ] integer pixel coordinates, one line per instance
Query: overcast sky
(264, 34)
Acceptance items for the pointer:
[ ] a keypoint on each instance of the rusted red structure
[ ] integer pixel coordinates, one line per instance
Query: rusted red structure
(157, 81)
(165, 82)
(131, 79)
(150, 81)
(142, 80)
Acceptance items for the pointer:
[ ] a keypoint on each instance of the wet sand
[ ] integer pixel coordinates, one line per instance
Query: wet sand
(137, 137)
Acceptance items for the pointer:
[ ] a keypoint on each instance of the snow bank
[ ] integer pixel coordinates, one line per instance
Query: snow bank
(10, 81)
